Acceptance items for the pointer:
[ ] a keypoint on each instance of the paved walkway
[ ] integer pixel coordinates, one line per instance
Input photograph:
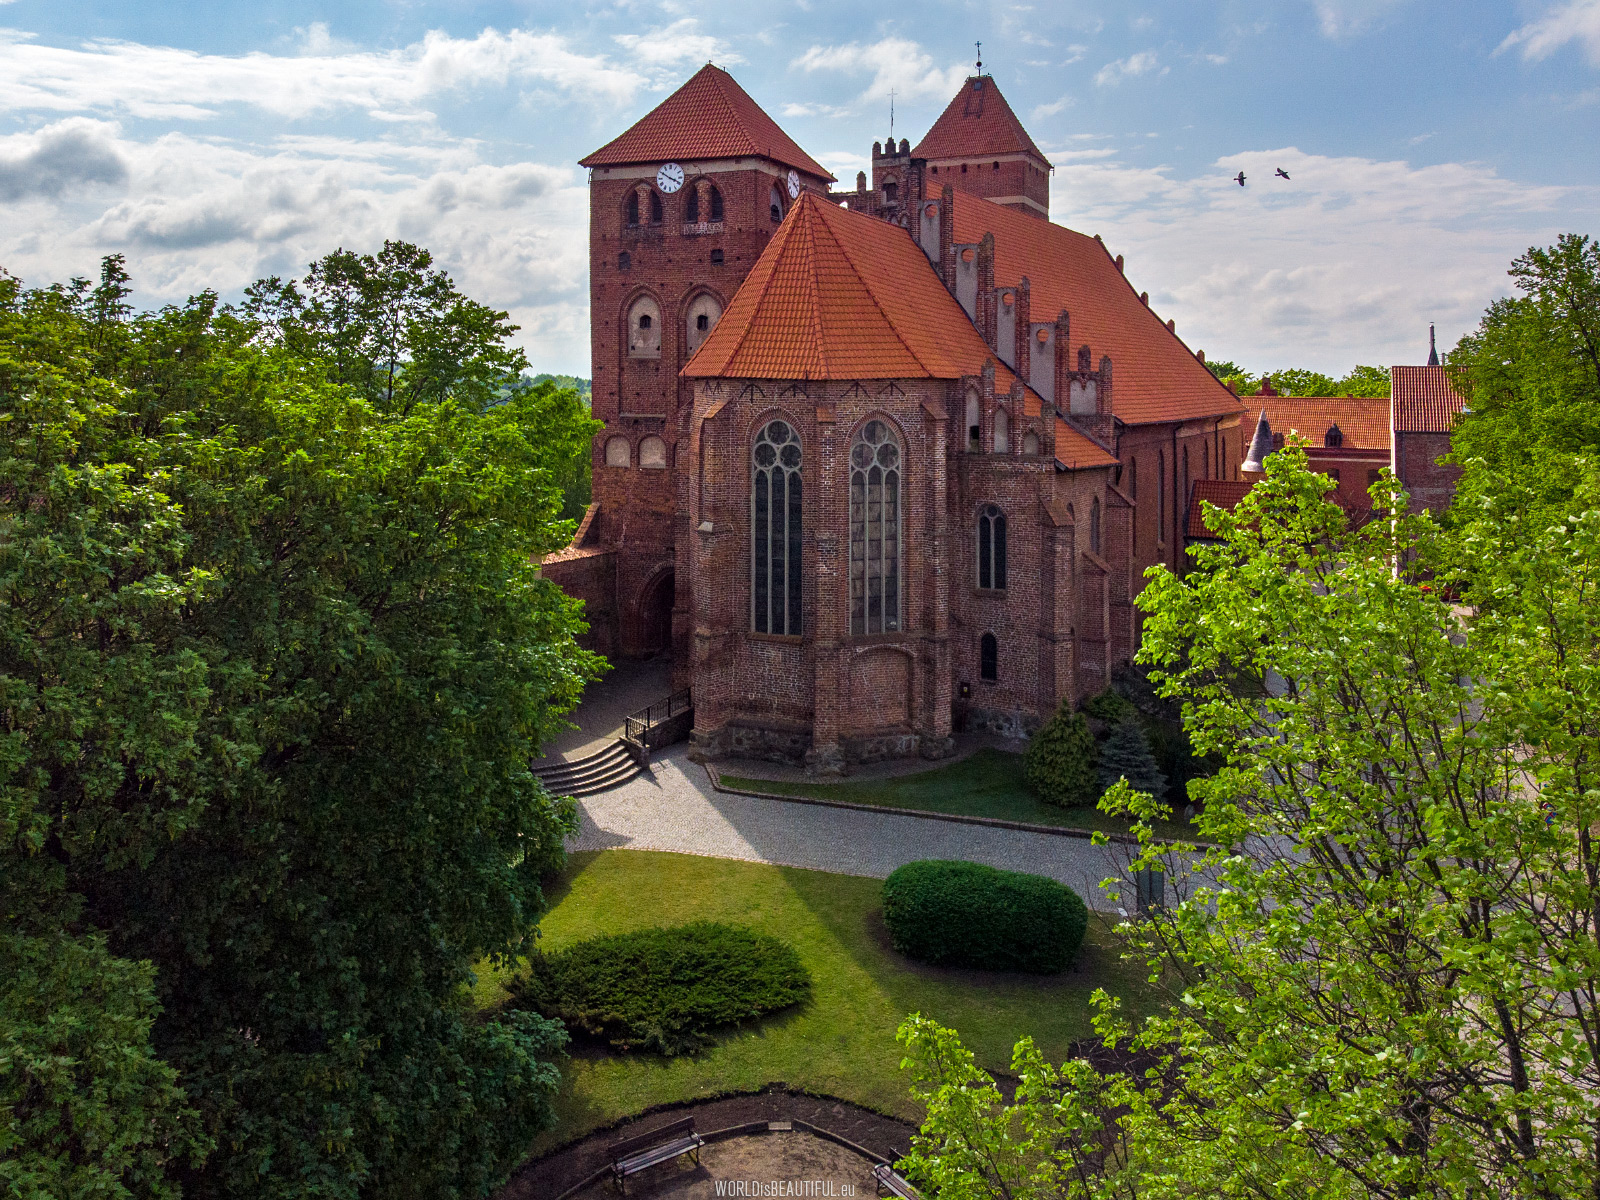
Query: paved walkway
(620, 692)
(675, 808)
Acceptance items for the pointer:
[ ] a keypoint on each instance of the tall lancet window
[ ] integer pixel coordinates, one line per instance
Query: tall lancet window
(775, 507)
(874, 530)
(991, 548)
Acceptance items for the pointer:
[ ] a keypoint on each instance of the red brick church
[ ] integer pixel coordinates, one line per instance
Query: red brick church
(876, 463)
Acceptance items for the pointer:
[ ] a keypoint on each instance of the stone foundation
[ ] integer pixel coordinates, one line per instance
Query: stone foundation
(1008, 723)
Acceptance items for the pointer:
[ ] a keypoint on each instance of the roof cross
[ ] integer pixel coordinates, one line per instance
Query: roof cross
(980, 57)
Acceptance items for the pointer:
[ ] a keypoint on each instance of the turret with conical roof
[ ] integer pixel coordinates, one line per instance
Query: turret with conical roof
(1254, 464)
(978, 146)
(1433, 350)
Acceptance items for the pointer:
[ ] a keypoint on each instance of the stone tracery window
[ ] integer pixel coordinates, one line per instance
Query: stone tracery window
(874, 530)
(775, 513)
(991, 548)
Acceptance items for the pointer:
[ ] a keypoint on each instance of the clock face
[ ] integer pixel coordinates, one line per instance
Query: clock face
(794, 186)
(670, 178)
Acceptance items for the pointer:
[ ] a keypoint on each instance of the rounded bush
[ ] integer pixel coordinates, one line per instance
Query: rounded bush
(964, 914)
(665, 990)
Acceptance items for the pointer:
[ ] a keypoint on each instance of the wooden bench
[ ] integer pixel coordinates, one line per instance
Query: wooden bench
(634, 1154)
(896, 1186)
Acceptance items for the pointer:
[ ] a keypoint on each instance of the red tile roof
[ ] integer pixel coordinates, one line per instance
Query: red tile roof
(710, 116)
(977, 123)
(1224, 493)
(1424, 400)
(1155, 377)
(841, 295)
(1075, 450)
(1364, 422)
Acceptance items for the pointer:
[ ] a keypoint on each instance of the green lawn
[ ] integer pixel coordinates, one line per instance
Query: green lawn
(989, 784)
(841, 1042)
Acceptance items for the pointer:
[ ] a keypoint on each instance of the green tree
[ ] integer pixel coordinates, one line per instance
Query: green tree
(1125, 754)
(1059, 765)
(1531, 376)
(1384, 980)
(1372, 382)
(1297, 381)
(274, 658)
(1224, 369)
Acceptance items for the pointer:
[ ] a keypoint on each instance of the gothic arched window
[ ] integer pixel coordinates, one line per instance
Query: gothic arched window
(618, 452)
(1002, 432)
(775, 203)
(703, 204)
(701, 319)
(891, 193)
(991, 547)
(974, 423)
(989, 658)
(653, 453)
(1030, 442)
(874, 530)
(775, 511)
(1094, 526)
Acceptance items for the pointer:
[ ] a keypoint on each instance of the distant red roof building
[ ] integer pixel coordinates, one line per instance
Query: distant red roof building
(1223, 493)
(1424, 399)
(709, 117)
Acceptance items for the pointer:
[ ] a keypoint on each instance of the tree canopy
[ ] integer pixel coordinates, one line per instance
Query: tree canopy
(274, 659)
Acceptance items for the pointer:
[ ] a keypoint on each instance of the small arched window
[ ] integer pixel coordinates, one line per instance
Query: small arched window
(989, 658)
(704, 203)
(1094, 526)
(891, 193)
(644, 328)
(776, 503)
(775, 204)
(991, 548)
(874, 530)
(624, 261)
(632, 213)
(653, 454)
(1002, 432)
(974, 423)
(618, 452)
(1030, 443)
(702, 317)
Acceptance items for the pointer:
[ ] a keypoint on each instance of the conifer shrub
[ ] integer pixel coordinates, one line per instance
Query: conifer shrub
(667, 990)
(1110, 706)
(965, 914)
(1059, 766)
(1125, 754)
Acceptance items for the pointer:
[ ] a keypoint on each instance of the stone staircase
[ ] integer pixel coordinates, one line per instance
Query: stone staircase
(599, 772)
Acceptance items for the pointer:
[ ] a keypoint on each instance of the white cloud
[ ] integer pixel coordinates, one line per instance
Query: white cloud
(1346, 18)
(1075, 53)
(70, 155)
(193, 213)
(166, 83)
(814, 110)
(1141, 63)
(679, 42)
(1345, 262)
(1576, 21)
(894, 63)
(1042, 111)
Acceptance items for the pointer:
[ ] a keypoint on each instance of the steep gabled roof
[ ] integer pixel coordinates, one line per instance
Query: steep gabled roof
(710, 116)
(1363, 421)
(1076, 450)
(841, 295)
(1155, 377)
(978, 123)
(1424, 400)
(1224, 493)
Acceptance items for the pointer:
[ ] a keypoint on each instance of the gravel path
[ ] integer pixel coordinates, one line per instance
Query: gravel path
(675, 808)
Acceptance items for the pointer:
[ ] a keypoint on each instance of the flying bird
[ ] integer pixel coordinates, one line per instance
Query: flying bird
(1239, 178)
(1282, 174)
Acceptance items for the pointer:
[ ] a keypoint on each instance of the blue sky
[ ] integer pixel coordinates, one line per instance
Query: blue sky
(1428, 142)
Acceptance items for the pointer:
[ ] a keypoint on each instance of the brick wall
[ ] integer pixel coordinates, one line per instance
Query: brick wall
(1431, 484)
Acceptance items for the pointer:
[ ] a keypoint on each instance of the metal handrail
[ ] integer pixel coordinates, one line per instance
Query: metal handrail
(640, 723)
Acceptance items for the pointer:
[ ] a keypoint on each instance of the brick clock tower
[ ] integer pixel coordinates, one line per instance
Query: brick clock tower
(680, 208)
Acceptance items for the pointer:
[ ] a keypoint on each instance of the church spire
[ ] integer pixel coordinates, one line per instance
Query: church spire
(1433, 351)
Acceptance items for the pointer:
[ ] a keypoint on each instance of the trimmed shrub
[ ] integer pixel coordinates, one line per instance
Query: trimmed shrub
(964, 914)
(665, 990)
(1125, 754)
(1059, 768)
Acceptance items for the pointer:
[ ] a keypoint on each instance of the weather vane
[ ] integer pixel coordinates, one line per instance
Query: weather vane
(980, 56)
(891, 114)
